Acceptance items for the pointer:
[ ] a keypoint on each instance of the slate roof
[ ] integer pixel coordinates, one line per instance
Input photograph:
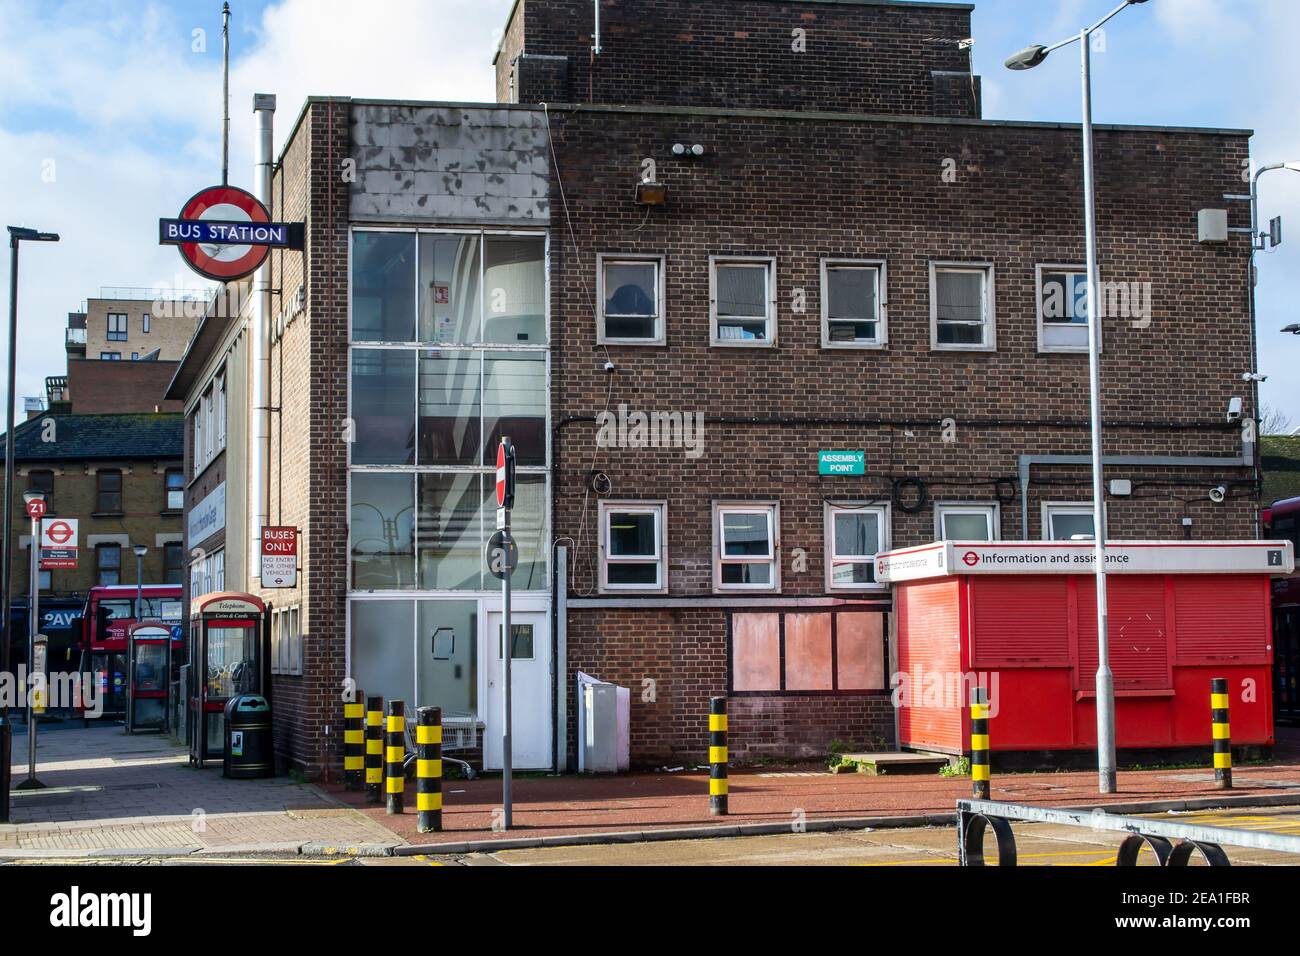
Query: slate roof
(91, 437)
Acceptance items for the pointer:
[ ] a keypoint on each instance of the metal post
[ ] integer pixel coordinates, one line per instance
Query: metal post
(395, 757)
(717, 756)
(6, 658)
(507, 660)
(1221, 732)
(428, 769)
(354, 741)
(225, 93)
(1105, 680)
(139, 586)
(981, 784)
(33, 621)
(374, 748)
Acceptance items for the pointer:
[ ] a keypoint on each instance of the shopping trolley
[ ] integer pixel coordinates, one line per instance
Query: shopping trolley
(459, 732)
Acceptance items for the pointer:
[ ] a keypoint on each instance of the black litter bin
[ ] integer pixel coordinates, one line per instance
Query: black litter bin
(249, 749)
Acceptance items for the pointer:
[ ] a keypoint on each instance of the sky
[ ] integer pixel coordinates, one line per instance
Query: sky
(110, 116)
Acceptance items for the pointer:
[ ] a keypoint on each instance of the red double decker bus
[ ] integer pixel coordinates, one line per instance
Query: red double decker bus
(1282, 522)
(106, 620)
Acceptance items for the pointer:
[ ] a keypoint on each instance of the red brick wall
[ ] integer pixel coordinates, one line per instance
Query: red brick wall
(105, 388)
(856, 57)
(803, 189)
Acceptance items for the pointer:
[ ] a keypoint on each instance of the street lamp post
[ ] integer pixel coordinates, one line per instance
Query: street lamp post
(1026, 59)
(140, 551)
(17, 234)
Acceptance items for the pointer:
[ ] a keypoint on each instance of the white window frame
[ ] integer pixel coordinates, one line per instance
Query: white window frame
(990, 509)
(1049, 508)
(660, 318)
(882, 302)
(286, 641)
(768, 262)
(772, 510)
(990, 343)
(830, 509)
(659, 509)
(1039, 269)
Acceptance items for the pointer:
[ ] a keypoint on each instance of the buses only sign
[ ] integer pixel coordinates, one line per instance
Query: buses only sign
(279, 557)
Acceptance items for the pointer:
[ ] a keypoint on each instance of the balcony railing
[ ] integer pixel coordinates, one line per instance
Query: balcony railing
(74, 337)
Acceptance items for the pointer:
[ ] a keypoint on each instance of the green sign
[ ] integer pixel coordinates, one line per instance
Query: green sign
(842, 463)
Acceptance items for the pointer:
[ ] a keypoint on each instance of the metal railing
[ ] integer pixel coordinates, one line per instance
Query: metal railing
(975, 817)
(74, 337)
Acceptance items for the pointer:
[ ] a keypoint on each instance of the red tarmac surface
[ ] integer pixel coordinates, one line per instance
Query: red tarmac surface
(555, 806)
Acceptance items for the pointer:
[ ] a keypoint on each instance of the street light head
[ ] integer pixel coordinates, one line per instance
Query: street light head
(30, 496)
(140, 550)
(1293, 328)
(1028, 58)
(1294, 167)
(23, 234)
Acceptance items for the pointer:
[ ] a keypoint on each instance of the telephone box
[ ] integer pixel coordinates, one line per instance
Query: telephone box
(229, 655)
(149, 678)
(1020, 618)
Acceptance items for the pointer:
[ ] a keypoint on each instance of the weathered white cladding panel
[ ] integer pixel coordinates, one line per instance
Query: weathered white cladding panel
(450, 163)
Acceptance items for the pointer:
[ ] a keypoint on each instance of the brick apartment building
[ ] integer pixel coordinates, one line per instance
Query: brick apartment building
(119, 476)
(853, 260)
(132, 323)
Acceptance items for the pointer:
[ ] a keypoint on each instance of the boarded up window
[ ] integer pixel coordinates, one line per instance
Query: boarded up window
(756, 652)
(808, 652)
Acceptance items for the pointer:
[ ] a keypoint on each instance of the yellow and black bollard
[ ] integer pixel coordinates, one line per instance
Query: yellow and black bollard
(979, 743)
(428, 769)
(395, 756)
(354, 741)
(1222, 733)
(718, 756)
(374, 749)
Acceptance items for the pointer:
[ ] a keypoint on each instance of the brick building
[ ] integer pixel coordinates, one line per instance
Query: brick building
(119, 476)
(130, 324)
(852, 261)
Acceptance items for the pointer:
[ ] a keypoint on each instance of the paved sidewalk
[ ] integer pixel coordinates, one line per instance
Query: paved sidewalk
(633, 803)
(110, 793)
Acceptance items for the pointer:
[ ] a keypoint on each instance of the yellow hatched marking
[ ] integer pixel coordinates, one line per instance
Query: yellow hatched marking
(717, 755)
(1221, 732)
(979, 741)
(1219, 701)
(717, 722)
(394, 754)
(717, 788)
(428, 768)
(428, 801)
(979, 711)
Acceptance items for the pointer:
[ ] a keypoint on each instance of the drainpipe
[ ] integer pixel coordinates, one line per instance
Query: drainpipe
(259, 447)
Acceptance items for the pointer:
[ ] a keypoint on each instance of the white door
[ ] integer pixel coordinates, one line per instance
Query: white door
(531, 692)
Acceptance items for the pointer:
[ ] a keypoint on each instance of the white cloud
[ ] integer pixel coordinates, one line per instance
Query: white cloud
(130, 114)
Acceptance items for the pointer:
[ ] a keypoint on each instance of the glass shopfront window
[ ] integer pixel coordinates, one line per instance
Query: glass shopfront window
(423, 652)
(449, 353)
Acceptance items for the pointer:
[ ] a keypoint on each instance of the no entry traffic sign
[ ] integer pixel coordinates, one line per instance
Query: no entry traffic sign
(225, 232)
(506, 474)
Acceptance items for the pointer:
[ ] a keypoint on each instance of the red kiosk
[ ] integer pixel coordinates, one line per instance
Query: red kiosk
(1021, 616)
(229, 655)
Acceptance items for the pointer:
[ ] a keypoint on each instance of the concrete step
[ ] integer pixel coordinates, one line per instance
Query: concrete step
(895, 762)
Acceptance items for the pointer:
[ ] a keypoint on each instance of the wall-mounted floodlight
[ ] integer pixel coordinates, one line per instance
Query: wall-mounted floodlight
(651, 193)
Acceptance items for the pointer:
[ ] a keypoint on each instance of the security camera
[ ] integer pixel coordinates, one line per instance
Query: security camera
(610, 366)
(1253, 377)
(1218, 493)
(1234, 409)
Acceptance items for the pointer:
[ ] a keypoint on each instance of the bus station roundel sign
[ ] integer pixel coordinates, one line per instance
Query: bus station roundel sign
(228, 208)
